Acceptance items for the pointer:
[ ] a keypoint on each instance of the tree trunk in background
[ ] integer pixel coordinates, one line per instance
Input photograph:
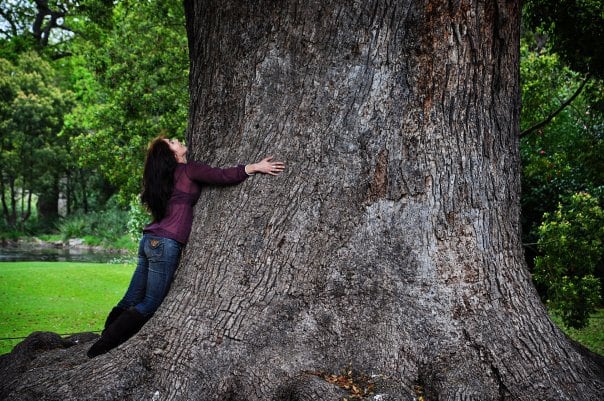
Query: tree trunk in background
(390, 247)
(9, 208)
(48, 204)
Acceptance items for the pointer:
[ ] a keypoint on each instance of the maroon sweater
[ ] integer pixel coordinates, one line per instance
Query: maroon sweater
(188, 180)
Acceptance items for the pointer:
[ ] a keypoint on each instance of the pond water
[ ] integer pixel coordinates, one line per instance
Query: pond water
(29, 252)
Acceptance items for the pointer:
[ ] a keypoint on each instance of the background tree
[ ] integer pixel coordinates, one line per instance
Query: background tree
(562, 157)
(122, 95)
(577, 26)
(571, 241)
(561, 148)
(32, 159)
(392, 247)
(139, 90)
(48, 26)
(47, 29)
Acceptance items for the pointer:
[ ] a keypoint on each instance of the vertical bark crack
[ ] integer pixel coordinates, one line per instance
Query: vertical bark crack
(379, 184)
(485, 354)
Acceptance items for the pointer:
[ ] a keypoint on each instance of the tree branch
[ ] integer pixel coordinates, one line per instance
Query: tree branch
(8, 19)
(554, 113)
(41, 32)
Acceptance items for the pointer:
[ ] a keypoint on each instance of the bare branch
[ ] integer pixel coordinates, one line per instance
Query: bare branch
(554, 113)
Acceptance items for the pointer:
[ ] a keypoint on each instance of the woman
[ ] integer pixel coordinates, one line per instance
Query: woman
(171, 188)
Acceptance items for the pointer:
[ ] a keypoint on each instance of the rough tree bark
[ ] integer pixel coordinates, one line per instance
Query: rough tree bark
(389, 248)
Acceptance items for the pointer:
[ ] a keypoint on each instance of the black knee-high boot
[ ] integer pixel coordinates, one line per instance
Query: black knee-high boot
(113, 315)
(127, 324)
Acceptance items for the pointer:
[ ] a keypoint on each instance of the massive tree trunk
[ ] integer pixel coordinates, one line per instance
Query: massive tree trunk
(390, 248)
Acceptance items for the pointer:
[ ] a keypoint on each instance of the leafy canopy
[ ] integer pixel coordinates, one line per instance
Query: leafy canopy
(577, 30)
(134, 88)
(32, 106)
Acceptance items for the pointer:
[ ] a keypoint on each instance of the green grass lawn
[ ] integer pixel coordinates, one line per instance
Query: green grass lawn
(62, 297)
(591, 336)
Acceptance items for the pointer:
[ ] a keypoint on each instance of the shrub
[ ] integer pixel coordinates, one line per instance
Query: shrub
(95, 228)
(138, 217)
(72, 227)
(570, 243)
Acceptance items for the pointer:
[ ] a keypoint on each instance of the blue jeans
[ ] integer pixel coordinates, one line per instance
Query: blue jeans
(157, 260)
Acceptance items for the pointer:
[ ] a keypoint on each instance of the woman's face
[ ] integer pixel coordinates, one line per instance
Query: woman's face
(180, 150)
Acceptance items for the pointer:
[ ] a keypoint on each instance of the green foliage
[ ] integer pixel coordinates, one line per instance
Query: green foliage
(571, 241)
(48, 27)
(33, 157)
(97, 228)
(138, 217)
(75, 226)
(136, 87)
(9, 233)
(564, 156)
(121, 72)
(128, 243)
(560, 159)
(577, 29)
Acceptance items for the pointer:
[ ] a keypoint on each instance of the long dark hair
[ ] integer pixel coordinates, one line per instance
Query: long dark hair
(158, 177)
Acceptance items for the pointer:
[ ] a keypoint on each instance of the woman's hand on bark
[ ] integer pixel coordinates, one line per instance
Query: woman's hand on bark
(266, 166)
